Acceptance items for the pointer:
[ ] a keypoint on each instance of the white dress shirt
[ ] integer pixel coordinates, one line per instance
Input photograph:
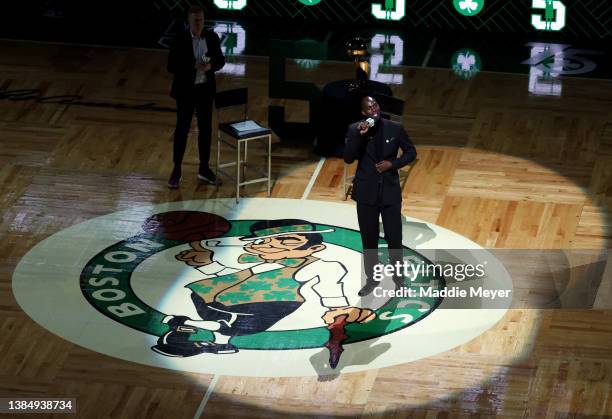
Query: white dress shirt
(200, 48)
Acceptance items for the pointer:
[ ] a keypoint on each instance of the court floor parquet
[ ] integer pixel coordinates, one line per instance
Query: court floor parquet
(497, 165)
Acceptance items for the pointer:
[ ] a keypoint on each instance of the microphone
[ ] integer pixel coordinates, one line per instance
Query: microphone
(370, 123)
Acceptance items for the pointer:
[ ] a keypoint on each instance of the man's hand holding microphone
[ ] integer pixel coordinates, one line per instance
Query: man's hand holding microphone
(364, 126)
(203, 64)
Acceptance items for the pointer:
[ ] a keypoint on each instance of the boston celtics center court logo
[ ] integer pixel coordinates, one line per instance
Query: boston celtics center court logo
(240, 299)
(211, 287)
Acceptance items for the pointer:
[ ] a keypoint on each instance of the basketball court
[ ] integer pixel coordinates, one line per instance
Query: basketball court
(509, 173)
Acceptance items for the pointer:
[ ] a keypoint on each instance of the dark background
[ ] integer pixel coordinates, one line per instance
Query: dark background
(140, 22)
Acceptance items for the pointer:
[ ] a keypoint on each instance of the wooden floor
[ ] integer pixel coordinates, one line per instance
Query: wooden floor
(496, 164)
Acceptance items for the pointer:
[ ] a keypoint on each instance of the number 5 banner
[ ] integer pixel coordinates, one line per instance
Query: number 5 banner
(231, 4)
(554, 15)
(389, 10)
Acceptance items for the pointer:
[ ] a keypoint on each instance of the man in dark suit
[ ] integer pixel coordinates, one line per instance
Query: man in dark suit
(376, 186)
(194, 57)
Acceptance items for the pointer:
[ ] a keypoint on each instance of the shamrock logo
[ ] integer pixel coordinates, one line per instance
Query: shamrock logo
(278, 296)
(255, 286)
(468, 5)
(466, 61)
(234, 297)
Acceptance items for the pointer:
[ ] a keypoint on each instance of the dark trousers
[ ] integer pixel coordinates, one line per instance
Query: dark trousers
(250, 318)
(367, 216)
(200, 102)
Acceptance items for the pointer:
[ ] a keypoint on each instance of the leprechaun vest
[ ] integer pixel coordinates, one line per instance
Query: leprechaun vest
(245, 286)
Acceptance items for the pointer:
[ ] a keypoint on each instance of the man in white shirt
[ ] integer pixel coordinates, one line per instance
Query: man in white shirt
(195, 55)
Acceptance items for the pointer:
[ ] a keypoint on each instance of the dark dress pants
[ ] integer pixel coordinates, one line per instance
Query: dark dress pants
(200, 102)
(367, 216)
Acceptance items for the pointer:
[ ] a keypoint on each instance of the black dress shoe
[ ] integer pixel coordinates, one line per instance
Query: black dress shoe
(176, 342)
(175, 178)
(174, 322)
(367, 288)
(207, 175)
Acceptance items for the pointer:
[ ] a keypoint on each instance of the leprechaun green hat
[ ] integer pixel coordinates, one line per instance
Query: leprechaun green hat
(272, 228)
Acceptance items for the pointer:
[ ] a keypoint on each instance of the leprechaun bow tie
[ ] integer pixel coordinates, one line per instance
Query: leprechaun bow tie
(290, 262)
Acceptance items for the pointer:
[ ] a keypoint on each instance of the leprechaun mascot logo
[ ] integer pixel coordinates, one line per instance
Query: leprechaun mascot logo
(260, 289)
(251, 276)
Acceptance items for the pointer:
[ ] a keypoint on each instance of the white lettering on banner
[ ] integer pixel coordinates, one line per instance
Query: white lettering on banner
(231, 4)
(397, 14)
(547, 24)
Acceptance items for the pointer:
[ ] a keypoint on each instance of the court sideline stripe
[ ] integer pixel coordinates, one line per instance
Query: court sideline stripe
(204, 402)
(313, 178)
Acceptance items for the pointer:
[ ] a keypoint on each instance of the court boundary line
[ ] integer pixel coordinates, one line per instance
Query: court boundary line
(313, 178)
(209, 391)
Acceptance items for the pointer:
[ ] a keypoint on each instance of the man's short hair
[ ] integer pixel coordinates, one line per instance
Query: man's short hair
(194, 10)
(368, 97)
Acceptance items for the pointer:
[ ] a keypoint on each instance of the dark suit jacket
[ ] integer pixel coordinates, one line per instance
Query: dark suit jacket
(181, 62)
(368, 184)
